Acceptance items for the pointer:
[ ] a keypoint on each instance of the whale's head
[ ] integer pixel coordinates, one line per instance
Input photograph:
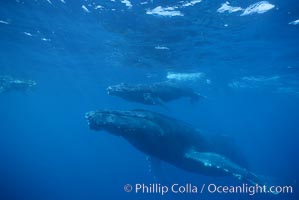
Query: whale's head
(122, 123)
(118, 90)
(8, 83)
(23, 84)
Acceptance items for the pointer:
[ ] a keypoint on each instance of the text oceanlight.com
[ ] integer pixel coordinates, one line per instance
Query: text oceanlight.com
(188, 188)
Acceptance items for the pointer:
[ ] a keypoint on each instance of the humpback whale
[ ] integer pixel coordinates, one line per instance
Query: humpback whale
(153, 94)
(8, 83)
(172, 141)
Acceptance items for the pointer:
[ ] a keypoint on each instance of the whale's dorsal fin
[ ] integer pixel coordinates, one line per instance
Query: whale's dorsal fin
(218, 163)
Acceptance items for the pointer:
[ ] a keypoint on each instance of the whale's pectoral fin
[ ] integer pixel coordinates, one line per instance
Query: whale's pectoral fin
(195, 97)
(149, 98)
(217, 163)
(155, 168)
(227, 147)
(2, 89)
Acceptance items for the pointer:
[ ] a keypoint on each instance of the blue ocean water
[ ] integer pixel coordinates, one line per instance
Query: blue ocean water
(246, 53)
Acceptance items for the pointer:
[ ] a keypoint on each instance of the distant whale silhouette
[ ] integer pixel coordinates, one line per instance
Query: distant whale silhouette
(8, 84)
(153, 94)
(172, 141)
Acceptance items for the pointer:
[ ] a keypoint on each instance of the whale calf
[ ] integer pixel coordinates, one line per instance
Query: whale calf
(172, 141)
(153, 94)
(8, 84)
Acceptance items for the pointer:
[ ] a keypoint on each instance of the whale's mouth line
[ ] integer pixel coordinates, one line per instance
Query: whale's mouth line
(117, 123)
(111, 89)
(118, 89)
(113, 112)
(104, 118)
